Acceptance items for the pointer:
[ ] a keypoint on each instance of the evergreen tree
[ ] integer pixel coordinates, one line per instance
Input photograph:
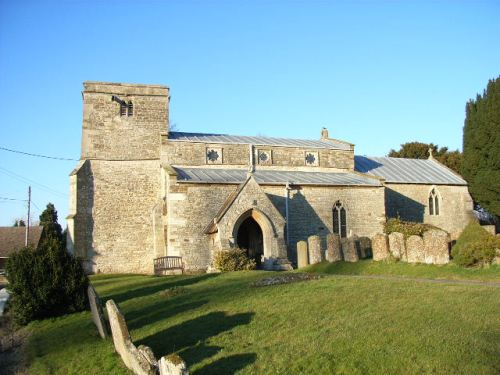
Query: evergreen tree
(481, 165)
(419, 150)
(51, 228)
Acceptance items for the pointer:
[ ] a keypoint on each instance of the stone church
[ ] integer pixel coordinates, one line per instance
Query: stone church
(142, 192)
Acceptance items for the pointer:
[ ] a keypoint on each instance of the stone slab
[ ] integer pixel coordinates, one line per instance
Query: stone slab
(415, 249)
(96, 311)
(349, 249)
(302, 257)
(364, 246)
(436, 247)
(172, 365)
(333, 248)
(397, 245)
(314, 245)
(380, 247)
(4, 298)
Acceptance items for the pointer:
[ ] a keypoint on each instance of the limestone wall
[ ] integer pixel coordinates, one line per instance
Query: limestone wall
(114, 215)
(108, 135)
(410, 202)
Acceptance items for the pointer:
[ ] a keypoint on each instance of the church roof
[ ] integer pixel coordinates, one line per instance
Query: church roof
(407, 171)
(331, 144)
(273, 177)
(13, 238)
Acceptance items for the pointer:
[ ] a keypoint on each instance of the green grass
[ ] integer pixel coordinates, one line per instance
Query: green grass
(368, 267)
(221, 324)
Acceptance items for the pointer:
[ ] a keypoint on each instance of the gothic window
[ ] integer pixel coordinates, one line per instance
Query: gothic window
(123, 109)
(433, 203)
(130, 108)
(339, 219)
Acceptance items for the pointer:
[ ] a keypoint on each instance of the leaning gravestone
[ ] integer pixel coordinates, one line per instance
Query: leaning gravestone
(397, 245)
(436, 246)
(140, 360)
(364, 247)
(380, 247)
(96, 311)
(415, 249)
(172, 365)
(349, 249)
(333, 248)
(302, 259)
(314, 244)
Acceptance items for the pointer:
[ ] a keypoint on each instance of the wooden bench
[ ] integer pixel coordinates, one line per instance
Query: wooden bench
(169, 263)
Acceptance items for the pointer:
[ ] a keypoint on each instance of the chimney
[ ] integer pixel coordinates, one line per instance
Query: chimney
(324, 133)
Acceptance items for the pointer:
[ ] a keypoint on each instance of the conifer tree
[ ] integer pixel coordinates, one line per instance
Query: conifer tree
(481, 144)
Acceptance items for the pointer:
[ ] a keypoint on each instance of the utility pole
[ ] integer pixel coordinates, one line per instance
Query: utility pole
(28, 221)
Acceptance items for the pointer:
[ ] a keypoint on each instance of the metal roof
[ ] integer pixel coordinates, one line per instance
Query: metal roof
(410, 171)
(272, 177)
(258, 140)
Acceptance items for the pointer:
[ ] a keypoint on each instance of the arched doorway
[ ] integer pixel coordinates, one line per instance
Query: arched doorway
(251, 239)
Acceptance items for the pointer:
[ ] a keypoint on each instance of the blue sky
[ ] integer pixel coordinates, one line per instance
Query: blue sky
(375, 73)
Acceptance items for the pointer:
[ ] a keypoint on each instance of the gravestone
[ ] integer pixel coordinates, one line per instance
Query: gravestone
(436, 247)
(415, 249)
(314, 245)
(349, 249)
(96, 311)
(302, 259)
(140, 360)
(172, 365)
(364, 247)
(397, 245)
(333, 248)
(380, 247)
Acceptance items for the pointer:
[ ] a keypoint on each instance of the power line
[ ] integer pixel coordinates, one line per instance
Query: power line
(12, 199)
(29, 181)
(36, 155)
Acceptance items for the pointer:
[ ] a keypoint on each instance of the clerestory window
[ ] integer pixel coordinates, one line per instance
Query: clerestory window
(433, 203)
(339, 219)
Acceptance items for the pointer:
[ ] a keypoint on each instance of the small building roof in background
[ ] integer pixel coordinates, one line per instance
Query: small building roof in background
(12, 238)
(259, 141)
(273, 177)
(407, 171)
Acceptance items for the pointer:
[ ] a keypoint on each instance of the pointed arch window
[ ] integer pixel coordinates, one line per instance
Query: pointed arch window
(130, 108)
(339, 219)
(123, 109)
(433, 203)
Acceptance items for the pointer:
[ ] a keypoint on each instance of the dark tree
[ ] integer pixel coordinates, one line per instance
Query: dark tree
(419, 150)
(19, 223)
(481, 165)
(51, 228)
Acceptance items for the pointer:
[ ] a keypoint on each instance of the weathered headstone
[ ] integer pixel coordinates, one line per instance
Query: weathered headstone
(140, 360)
(96, 311)
(364, 247)
(349, 249)
(314, 245)
(380, 247)
(436, 246)
(333, 248)
(302, 258)
(415, 249)
(172, 365)
(397, 245)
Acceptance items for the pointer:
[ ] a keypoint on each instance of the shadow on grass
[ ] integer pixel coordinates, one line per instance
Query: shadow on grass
(169, 282)
(227, 365)
(192, 333)
(159, 311)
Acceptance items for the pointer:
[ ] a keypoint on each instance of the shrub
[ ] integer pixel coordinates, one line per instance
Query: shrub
(408, 228)
(233, 260)
(47, 281)
(475, 247)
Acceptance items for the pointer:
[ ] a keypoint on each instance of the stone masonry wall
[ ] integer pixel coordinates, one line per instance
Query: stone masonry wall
(107, 135)
(114, 229)
(194, 154)
(410, 202)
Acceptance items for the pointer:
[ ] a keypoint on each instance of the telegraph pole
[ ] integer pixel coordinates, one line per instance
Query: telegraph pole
(28, 221)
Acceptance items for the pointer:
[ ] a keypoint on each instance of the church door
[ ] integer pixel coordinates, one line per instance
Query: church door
(250, 238)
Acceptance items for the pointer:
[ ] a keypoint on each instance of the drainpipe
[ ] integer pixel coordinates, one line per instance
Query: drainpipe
(251, 158)
(287, 191)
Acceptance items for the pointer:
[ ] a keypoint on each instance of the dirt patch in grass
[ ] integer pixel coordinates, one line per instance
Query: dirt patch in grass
(12, 344)
(174, 291)
(286, 279)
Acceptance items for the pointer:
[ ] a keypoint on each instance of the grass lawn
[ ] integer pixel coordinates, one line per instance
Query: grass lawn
(369, 267)
(221, 324)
